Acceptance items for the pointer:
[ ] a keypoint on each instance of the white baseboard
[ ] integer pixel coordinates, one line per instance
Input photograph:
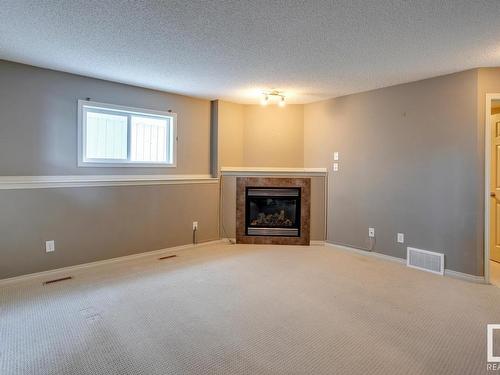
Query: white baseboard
(79, 267)
(367, 253)
(447, 272)
(317, 243)
(465, 276)
(312, 243)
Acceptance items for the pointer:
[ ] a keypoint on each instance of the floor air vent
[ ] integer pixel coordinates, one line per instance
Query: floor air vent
(57, 280)
(167, 257)
(425, 260)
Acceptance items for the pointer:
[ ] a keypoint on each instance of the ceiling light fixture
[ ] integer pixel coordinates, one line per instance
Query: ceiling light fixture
(267, 95)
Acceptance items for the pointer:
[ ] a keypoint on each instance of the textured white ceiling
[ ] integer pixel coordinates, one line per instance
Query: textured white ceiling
(233, 49)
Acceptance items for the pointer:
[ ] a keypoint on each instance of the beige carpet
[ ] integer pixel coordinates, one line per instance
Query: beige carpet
(244, 309)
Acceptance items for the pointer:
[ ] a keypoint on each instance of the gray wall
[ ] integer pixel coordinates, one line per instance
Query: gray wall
(38, 122)
(410, 161)
(96, 223)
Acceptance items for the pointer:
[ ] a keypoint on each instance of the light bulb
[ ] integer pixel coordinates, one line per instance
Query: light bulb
(282, 103)
(264, 100)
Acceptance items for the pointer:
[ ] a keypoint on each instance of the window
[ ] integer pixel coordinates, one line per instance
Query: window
(110, 135)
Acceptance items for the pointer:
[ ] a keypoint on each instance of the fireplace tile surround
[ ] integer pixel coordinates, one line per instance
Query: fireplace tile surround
(278, 185)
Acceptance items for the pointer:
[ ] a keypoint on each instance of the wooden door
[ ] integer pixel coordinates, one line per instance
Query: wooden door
(495, 189)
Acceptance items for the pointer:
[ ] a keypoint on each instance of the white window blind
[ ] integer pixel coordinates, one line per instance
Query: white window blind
(149, 139)
(106, 136)
(112, 135)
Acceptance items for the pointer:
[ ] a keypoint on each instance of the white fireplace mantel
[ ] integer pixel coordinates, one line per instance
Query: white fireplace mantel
(265, 171)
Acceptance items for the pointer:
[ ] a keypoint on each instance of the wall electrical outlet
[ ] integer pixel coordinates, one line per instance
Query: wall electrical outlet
(371, 232)
(401, 238)
(335, 167)
(50, 246)
(195, 225)
(336, 156)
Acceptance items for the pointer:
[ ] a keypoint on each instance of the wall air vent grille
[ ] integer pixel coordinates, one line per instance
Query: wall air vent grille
(425, 260)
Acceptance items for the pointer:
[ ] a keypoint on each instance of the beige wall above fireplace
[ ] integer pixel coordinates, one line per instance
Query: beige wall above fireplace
(256, 136)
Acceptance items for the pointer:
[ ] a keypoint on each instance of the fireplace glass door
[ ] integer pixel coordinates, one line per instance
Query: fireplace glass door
(272, 211)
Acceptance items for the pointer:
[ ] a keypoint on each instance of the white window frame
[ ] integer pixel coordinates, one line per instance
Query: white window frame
(129, 111)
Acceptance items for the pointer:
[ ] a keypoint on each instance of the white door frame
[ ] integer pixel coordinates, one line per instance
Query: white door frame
(487, 180)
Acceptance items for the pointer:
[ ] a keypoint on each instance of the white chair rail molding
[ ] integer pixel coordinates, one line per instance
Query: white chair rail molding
(34, 182)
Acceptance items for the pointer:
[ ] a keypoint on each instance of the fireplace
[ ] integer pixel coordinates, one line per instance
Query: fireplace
(272, 211)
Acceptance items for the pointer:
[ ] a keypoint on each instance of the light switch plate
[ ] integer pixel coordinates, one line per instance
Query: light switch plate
(336, 156)
(401, 238)
(371, 232)
(50, 246)
(335, 167)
